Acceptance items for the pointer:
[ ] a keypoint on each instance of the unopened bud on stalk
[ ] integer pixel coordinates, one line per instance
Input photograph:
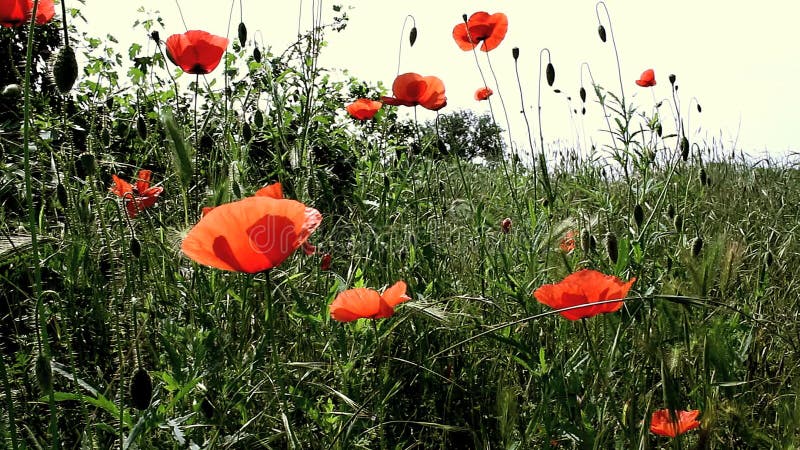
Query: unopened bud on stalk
(677, 222)
(247, 132)
(242, 34)
(464, 17)
(505, 225)
(61, 195)
(141, 127)
(672, 78)
(44, 374)
(136, 247)
(65, 69)
(141, 389)
(412, 36)
(257, 55)
(638, 215)
(601, 30)
(582, 93)
(515, 53)
(612, 247)
(697, 246)
(586, 241)
(684, 148)
(551, 74)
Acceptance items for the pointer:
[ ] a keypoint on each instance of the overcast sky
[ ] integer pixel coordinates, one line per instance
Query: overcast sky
(739, 59)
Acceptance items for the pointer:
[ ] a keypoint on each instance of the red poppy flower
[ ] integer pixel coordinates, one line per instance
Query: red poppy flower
(364, 108)
(274, 190)
(647, 79)
(567, 243)
(309, 248)
(250, 235)
(363, 303)
(483, 93)
(505, 225)
(481, 27)
(584, 287)
(196, 52)
(412, 89)
(661, 423)
(138, 197)
(325, 263)
(17, 12)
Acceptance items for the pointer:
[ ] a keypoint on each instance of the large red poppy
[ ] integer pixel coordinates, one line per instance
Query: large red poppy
(363, 303)
(139, 196)
(364, 108)
(196, 51)
(17, 12)
(483, 93)
(250, 235)
(412, 89)
(647, 79)
(584, 287)
(662, 424)
(481, 27)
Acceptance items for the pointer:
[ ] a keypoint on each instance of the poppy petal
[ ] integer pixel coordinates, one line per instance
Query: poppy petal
(461, 37)
(144, 181)
(121, 187)
(274, 190)
(353, 304)
(395, 294)
(499, 27)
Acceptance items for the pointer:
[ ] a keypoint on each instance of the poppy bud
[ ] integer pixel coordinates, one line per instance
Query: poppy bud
(505, 225)
(583, 110)
(247, 132)
(685, 148)
(671, 211)
(325, 263)
(672, 78)
(464, 17)
(768, 258)
(515, 53)
(242, 34)
(677, 222)
(44, 374)
(586, 241)
(699, 109)
(141, 127)
(12, 91)
(612, 248)
(638, 215)
(441, 146)
(697, 246)
(551, 74)
(601, 30)
(136, 247)
(65, 69)
(61, 195)
(207, 408)
(206, 142)
(155, 36)
(258, 119)
(659, 130)
(582, 93)
(703, 177)
(257, 55)
(557, 91)
(85, 165)
(141, 389)
(412, 36)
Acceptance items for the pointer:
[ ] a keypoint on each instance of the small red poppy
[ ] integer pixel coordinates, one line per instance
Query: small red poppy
(250, 235)
(363, 303)
(364, 108)
(412, 89)
(309, 248)
(325, 263)
(138, 197)
(584, 287)
(481, 27)
(483, 93)
(647, 79)
(505, 225)
(567, 243)
(18, 12)
(662, 424)
(196, 51)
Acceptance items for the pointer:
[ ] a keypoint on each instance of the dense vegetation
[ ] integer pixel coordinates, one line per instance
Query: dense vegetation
(111, 338)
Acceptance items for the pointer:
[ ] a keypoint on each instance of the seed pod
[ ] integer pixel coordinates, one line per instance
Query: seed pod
(677, 222)
(586, 241)
(638, 215)
(247, 132)
(136, 247)
(612, 247)
(61, 195)
(697, 246)
(671, 211)
(601, 30)
(672, 78)
(141, 127)
(582, 93)
(257, 55)
(551, 74)
(515, 53)
(155, 36)
(141, 389)
(412, 36)
(44, 374)
(242, 34)
(86, 165)
(12, 91)
(685, 148)
(464, 17)
(65, 69)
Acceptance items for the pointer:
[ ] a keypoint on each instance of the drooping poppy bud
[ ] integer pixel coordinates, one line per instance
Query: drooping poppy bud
(697, 246)
(61, 195)
(638, 215)
(684, 148)
(136, 247)
(141, 127)
(515, 53)
(141, 389)
(258, 119)
(247, 132)
(257, 55)
(601, 30)
(242, 34)
(65, 69)
(699, 109)
(412, 36)
(154, 35)
(207, 408)
(672, 78)
(703, 177)
(44, 374)
(586, 241)
(325, 262)
(677, 222)
(551, 74)
(86, 165)
(671, 211)
(582, 93)
(612, 247)
(505, 225)
(11, 91)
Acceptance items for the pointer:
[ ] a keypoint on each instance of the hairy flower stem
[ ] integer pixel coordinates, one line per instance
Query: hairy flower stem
(402, 37)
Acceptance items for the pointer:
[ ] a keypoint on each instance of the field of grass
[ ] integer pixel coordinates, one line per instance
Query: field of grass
(112, 338)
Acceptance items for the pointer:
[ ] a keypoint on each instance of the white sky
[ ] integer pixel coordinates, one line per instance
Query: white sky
(739, 59)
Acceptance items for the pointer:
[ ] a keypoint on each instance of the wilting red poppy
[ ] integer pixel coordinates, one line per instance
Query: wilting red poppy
(412, 89)
(364, 108)
(567, 243)
(647, 79)
(483, 93)
(661, 423)
(196, 51)
(325, 263)
(363, 303)
(505, 225)
(139, 196)
(17, 12)
(481, 27)
(584, 287)
(309, 248)
(250, 235)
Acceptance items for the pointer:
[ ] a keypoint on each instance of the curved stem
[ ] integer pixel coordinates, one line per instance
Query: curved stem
(527, 125)
(601, 101)
(614, 43)
(402, 36)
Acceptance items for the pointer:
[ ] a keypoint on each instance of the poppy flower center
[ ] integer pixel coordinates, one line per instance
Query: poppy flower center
(480, 32)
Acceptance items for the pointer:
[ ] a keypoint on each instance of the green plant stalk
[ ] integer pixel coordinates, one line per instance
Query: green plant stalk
(12, 424)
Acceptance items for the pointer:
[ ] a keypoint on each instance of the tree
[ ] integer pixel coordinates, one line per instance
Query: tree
(465, 134)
